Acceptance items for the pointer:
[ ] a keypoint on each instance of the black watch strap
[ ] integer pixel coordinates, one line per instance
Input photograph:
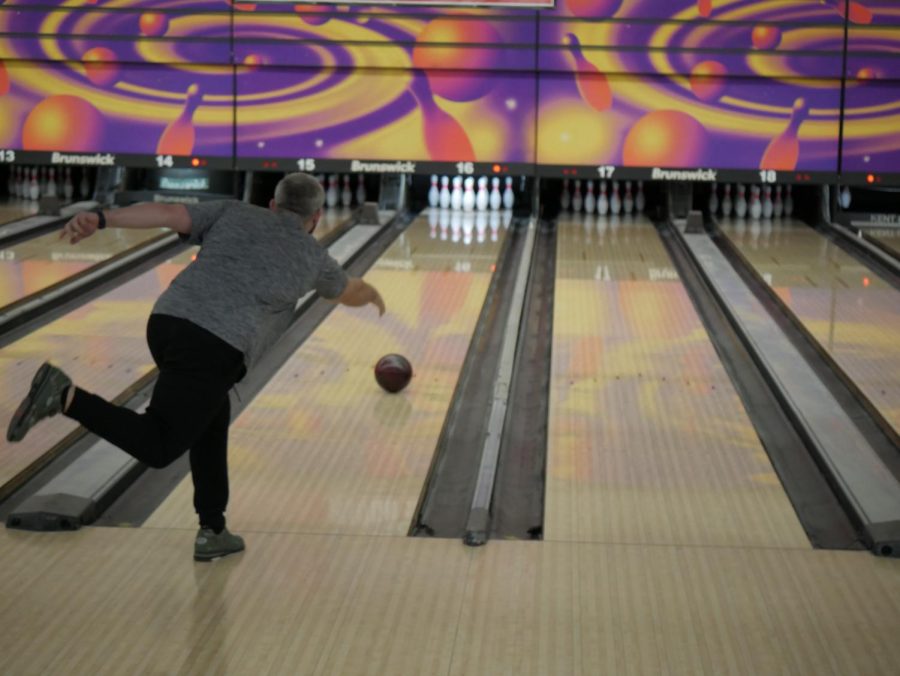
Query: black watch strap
(101, 218)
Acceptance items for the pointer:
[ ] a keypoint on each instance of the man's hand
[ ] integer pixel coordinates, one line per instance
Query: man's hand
(80, 226)
(358, 293)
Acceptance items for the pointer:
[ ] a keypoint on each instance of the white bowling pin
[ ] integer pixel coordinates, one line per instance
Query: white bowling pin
(740, 205)
(628, 200)
(615, 201)
(640, 200)
(603, 200)
(496, 199)
(34, 189)
(469, 194)
(434, 193)
(509, 197)
(726, 201)
(768, 208)
(846, 198)
(590, 200)
(577, 198)
(445, 192)
(482, 197)
(755, 204)
(331, 195)
(456, 195)
(714, 199)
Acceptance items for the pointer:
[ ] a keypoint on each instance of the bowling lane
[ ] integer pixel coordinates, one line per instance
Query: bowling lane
(322, 449)
(850, 311)
(648, 441)
(101, 345)
(15, 209)
(40, 262)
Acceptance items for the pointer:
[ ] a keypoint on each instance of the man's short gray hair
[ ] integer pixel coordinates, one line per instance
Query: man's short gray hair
(299, 193)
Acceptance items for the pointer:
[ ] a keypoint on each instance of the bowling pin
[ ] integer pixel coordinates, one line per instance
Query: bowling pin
(51, 183)
(496, 199)
(361, 189)
(434, 193)
(726, 201)
(755, 204)
(714, 199)
(577, 198)
(178, 136)
(509, 197)
(615, 201)
(778, 204)
(346, 193)
(482, 197)
(331, 195)
(640, 200)
(565, 197)
(68, 188)
(20, 183)
(603, 200)
(469, 194)
(590, 200)
(34, 190)
(628, 200)
(42, 180)
(768, 208)
(846, 198)
(740, 204)
(788, 201)
(456, 195)
(783, 151)
(445, 192)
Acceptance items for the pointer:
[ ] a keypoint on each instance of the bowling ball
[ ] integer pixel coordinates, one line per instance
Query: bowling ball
(393, 372)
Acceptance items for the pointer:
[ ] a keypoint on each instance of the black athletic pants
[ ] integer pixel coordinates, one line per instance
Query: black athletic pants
(189, 409)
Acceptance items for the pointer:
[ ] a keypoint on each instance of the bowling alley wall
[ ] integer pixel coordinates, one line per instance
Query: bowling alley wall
(807, 88)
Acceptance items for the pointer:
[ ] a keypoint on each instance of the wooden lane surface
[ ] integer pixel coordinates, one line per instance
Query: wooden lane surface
(104, 602)
(648, 441)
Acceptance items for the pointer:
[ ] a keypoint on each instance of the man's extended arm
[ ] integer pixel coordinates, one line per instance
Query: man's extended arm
(144, 215)
(357, 293)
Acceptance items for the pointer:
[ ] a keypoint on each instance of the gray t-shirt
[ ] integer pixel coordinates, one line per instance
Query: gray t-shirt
(253, 266)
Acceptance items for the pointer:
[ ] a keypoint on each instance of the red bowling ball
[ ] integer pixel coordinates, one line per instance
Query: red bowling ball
(393, 372)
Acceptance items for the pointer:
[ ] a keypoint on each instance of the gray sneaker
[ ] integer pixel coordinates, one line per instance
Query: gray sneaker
(44, 399)
(209, 545)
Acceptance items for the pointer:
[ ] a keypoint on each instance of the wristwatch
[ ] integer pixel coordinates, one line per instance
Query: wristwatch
(101, 217)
